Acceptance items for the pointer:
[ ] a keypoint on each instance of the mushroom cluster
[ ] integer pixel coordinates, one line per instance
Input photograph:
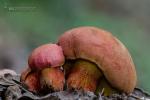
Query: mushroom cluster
(92, 59)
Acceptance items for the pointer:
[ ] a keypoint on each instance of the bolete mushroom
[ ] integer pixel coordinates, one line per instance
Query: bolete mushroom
(46, 60)
(94, 47)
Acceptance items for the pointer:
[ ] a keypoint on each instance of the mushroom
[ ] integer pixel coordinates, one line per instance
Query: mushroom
(100, 50)
(45, 69)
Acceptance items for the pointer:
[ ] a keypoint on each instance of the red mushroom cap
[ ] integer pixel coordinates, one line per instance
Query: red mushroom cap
(47, 55)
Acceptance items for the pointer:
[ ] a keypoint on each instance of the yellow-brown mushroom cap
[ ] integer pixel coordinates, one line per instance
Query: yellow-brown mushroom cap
(105, 50)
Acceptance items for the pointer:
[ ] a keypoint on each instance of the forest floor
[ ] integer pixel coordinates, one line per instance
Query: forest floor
(11, 89)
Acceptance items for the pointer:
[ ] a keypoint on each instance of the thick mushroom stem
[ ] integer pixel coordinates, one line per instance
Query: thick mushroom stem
(105, 88)
(68, 66)
(53, 79)
(30, 79)
(84, 75)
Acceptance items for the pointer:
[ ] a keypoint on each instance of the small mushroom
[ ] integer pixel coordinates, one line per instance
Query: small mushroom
(97, 48)
(46, 60)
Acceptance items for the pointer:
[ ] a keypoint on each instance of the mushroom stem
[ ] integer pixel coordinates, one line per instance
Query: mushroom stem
(105, 87)
(31, 80)
(53, 79)
(68, 66)
(84, 75)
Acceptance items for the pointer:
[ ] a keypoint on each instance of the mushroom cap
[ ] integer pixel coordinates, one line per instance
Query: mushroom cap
(105, 50)
(47, 55)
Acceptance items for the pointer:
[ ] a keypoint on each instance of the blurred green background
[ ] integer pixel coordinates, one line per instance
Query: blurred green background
(26, 24)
